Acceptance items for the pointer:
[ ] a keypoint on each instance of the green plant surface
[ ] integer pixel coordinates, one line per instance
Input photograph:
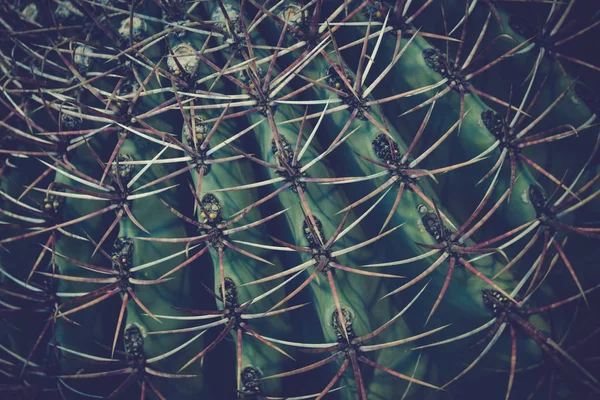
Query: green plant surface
(341, 199)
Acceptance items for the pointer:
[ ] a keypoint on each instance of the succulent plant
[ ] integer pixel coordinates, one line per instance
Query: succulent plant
(249, 199)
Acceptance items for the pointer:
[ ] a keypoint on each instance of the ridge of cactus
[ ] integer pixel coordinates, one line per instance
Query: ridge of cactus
(342, 199)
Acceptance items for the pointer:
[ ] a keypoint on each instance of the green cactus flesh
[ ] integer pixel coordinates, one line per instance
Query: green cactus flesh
(342, 199)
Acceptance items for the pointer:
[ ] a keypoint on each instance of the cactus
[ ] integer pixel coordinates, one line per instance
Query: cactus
(248, 199)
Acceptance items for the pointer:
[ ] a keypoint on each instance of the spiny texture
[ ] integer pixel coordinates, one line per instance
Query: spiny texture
(225, 199)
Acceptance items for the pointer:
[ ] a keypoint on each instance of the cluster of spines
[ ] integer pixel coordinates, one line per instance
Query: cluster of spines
(100, 131)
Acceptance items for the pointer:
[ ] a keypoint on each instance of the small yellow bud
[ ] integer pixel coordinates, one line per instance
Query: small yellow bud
(337, 85)
(47, 206)
(378, 14)
(212, 215)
